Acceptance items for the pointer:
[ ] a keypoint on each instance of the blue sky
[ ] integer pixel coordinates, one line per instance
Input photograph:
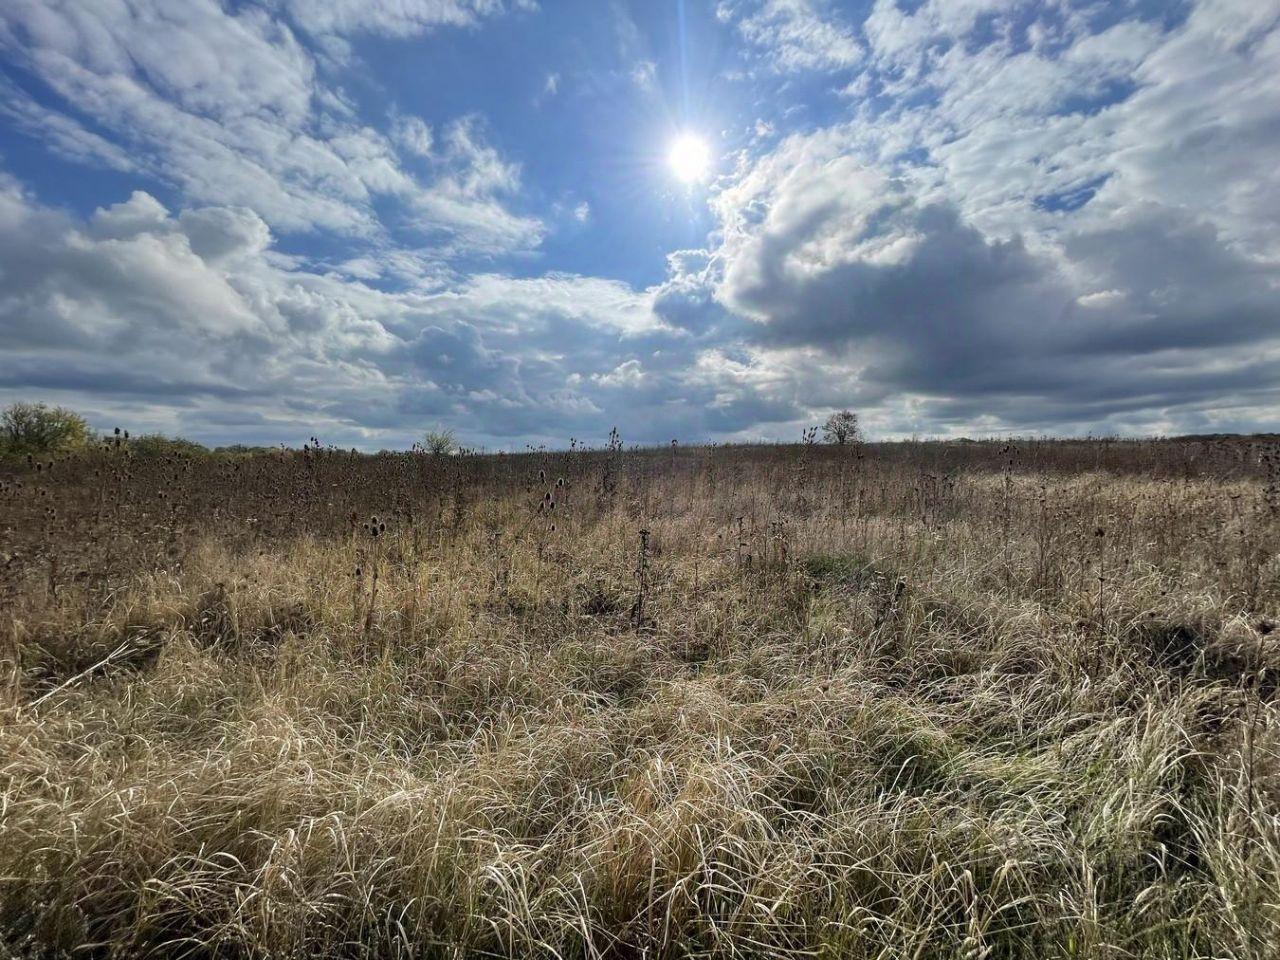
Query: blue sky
(359, 219)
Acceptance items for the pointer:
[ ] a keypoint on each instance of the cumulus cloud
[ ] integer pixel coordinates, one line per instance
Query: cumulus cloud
(1150, 314)
(1037, 225)
(190, 322)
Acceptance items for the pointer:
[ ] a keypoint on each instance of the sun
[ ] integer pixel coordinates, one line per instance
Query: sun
(689, 158)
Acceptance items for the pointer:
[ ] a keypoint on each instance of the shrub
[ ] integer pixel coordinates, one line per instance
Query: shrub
(242, 449)
(35, 429)
(158, 445)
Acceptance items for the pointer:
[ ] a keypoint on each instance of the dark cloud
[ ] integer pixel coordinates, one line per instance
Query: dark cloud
(1151, 312)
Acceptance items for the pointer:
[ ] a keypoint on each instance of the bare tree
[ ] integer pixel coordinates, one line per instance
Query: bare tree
(439, 441)
(842, 428)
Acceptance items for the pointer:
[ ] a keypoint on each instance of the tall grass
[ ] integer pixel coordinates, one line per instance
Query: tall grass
(925, 701)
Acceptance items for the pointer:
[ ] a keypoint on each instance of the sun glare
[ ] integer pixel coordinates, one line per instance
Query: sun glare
(689, 158)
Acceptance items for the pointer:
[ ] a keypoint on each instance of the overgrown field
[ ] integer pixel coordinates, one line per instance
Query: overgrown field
(913, 700)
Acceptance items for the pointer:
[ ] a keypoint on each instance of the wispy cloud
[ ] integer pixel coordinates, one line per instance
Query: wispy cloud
(394, 18)
(795, 35)
(644, 74)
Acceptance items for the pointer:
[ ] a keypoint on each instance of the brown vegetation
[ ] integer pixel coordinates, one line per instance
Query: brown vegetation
(926, 700)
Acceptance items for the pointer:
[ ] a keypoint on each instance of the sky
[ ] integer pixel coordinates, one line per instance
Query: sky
(359, 220)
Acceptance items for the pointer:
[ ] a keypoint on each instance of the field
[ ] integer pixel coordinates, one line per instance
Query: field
(901, 700)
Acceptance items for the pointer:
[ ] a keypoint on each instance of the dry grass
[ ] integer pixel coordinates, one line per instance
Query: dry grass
(923, 702)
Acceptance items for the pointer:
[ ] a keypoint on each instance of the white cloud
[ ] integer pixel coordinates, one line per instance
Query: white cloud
(229, 107)
(396, 18)
(412, 135)
(191, 323)
(629, 373)
(1025, 217)
(1150, 315)
(1045, 222)
(465, 198)
(1183, 116)
(63, 134)
(795, 35)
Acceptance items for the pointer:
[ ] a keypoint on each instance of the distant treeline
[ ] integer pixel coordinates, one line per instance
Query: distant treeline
(31, 432)
(37, 430)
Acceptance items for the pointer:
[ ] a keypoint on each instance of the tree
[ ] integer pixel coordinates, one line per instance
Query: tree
(439, 441)
(34, 429)
(842, 428)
